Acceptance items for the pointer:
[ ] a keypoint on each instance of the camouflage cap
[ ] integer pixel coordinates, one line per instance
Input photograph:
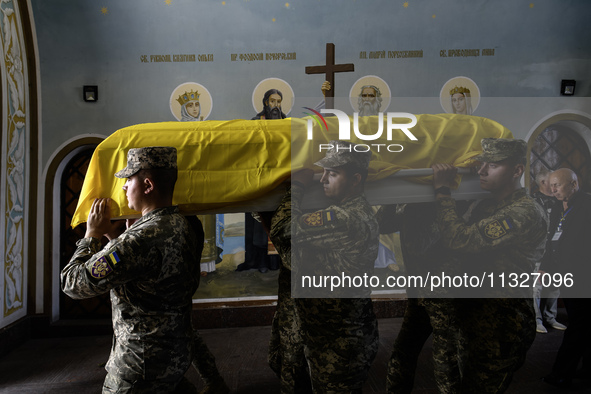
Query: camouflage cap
(152, 157)
(343, 152)
(498, 149)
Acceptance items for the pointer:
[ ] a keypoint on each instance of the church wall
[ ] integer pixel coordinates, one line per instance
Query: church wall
(524, 49)
(15, 164)
(140, 53)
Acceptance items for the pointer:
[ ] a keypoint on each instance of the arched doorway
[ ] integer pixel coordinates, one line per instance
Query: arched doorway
(73, 171)
(562, 142)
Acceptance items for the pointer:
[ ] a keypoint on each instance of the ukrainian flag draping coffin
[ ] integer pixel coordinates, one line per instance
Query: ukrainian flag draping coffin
(230, 166)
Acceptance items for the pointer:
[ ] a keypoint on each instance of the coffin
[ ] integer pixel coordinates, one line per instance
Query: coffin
(240, 165)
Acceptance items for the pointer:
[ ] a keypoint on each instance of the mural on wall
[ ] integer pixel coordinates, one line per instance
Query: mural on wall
(370, 95)
(191, 102)
(460, 95)
(122, 51)
(14, 128)
(272, 98)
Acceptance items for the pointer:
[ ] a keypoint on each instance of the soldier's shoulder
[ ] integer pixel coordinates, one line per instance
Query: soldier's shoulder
(527, 204)
(167, 219)
(359, 205)
(159, 227)
(359, 214)
(528, 212)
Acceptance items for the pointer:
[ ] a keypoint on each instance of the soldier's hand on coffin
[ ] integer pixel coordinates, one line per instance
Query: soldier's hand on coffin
(99, 219)
(443, 175)
(304, 177)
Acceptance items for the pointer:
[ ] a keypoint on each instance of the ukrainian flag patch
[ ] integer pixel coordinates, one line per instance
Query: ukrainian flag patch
(317, 219)
(330, 216)
(114, 258)
(497, 228)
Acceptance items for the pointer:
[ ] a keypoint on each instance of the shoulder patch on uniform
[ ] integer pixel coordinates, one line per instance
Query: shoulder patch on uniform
(101, 268)
(317, 219)
(114, 257)
(497, 228)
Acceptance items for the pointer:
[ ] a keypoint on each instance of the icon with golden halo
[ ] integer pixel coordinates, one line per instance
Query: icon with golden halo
(460, 95)
(190, 102)
(272, 98)
(370, 95)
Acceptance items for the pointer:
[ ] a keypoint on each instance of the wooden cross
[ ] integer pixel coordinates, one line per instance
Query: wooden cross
(330, 69)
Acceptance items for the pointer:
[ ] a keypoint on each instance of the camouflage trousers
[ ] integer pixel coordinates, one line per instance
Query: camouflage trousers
(286, 349)
(422, 318)
(495, 337)
(340, 342)
(203, 360)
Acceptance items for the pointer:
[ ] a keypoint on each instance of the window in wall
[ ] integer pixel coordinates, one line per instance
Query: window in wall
(554, 149)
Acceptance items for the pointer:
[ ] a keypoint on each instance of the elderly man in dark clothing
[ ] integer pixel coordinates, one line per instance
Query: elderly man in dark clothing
(570, 230)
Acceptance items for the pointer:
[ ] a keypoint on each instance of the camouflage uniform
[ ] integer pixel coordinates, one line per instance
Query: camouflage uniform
(506, 236)
(340, 334)
(151, 284)
(426, 313)
(286, 348)
(152, 271)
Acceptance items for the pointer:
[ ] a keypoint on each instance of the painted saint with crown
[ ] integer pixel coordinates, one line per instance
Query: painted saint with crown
(190, 107)
(461, 100)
